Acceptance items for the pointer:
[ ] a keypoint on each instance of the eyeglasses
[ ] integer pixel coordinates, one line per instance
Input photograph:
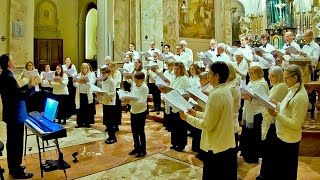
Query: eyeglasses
(289, 76)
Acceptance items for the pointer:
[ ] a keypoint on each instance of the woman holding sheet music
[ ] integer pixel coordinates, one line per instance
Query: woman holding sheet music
(116, 76)
(250, 141)
(278, 92)
(289, 117)
(128, 67)
(178, 126)
(216, 122)
(84, 96)
(70, 70)
(60, 90)
(33, 102)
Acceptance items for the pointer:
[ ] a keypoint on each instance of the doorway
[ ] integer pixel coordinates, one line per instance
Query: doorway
(48, 51)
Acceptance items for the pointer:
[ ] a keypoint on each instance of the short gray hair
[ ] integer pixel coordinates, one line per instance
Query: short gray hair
(183, 42)
(277, 70)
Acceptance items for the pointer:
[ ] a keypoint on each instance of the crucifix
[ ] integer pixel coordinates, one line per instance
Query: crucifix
(280, 5)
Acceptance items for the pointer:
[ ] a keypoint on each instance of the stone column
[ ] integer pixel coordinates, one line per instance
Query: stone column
(223, 25)
(21, 31)
(105, 29)
(170, 23)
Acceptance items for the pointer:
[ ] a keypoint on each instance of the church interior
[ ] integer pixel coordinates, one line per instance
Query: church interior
(86, 31)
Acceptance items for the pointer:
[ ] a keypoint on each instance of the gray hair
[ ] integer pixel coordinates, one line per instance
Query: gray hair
(222, 45)
(294, 69)
(183, 42)
(277, 70)
(239, 53)
(213, 41)
(203, 75)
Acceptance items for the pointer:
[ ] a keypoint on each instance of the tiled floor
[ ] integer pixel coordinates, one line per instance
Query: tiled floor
(98, 160)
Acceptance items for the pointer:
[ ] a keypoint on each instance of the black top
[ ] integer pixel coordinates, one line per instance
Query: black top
(12, 95)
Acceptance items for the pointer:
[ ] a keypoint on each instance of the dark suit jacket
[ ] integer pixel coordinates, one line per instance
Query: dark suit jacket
(12, 97)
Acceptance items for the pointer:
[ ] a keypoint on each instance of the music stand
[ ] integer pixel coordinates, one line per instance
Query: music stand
(1, 170)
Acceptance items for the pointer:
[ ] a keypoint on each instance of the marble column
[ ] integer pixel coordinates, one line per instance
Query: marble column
(21, 31)
(170, 23)
(151, 23)
(122, 28)
(105, 29)
(223, 25)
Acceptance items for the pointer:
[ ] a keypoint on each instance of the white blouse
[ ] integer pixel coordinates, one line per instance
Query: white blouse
(216, 122)
(292, 112)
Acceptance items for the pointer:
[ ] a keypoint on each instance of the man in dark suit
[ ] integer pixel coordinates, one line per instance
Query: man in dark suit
(12, 114)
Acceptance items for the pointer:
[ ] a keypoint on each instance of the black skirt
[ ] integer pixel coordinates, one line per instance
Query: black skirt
(85, 114)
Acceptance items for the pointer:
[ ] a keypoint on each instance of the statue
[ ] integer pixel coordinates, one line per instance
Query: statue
(245, 24)
(316, 17)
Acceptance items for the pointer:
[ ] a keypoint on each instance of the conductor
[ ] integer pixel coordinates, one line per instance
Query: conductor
(13, 112)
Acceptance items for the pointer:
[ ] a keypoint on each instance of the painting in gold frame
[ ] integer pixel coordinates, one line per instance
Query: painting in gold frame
(198, 22)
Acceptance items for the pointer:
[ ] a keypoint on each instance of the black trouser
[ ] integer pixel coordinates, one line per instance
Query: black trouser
(71, 103)
(196, 138)
(109, 120)
(280, 159)
(15, 132)
(222, 165)
(178, 131)
(34, 102)
(250, 141)
(118, 109)
(62, 107)
(126, 86)
(156, 96)
(138, 122)
(85, 113)
(266, 76)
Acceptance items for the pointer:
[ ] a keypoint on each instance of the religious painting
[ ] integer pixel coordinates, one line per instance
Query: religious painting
(197, 21)
(237, 10)
(17, 29)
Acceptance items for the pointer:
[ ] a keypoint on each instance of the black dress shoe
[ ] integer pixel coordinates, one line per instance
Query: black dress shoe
(141, 154)
(110, 141)
(116, 129)
(23, 167)
(173, 147)
(22, 175)
(179, 149)
(133, 152)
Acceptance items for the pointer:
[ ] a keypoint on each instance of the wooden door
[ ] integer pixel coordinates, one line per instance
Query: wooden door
(48, 51)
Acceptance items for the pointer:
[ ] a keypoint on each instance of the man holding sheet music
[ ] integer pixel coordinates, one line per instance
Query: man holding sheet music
(135, 54)
(263, 56)
(153, 72)
(217, 138)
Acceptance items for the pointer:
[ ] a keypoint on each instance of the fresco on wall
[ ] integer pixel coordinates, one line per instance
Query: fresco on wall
(198, 21)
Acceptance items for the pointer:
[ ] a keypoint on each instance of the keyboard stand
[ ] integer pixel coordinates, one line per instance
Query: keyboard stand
(50, 164)
(26, 140)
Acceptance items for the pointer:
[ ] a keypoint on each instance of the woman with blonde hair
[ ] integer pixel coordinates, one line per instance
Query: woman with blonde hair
(116, 76)
(178, 126)
(250, 141)
(84, 97)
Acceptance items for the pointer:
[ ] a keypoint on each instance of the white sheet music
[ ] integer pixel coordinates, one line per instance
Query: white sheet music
(264, 99)
(48, 75)
(30, 74)
(151, 65)
(177, 101)
(292, 50)
(206, 60)
(245, 90)
(122, 70)
(69, 71)
(145, 54)
(160, 83)
(196, 92)
(96, 89)
(204, 55)
(127, 53)
(86, 79)
(126, 95)
(277, 52)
